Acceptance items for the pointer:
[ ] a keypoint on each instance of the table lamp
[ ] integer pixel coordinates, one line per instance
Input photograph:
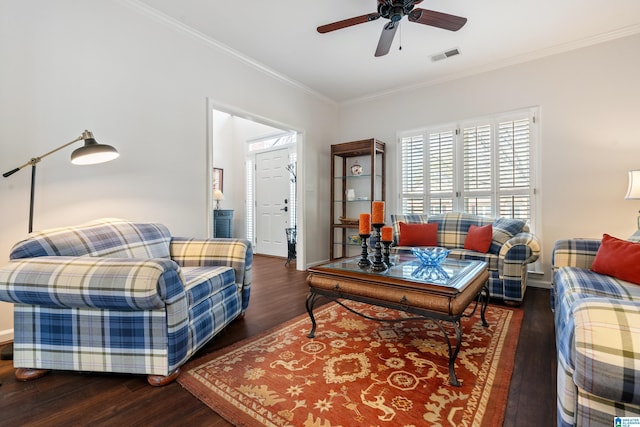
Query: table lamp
(218, 196)
(633, 192)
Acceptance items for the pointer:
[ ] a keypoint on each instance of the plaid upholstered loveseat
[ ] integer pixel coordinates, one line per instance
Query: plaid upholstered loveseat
(597, 322)
(118, 296)
(512, 247)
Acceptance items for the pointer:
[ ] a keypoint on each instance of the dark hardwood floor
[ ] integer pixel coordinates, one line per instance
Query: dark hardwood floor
(278, 294)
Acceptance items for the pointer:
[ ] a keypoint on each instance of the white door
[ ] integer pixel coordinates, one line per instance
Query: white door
(272, 202)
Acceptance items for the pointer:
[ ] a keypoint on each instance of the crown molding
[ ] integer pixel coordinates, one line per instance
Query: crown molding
(514, 60)
(173, 23)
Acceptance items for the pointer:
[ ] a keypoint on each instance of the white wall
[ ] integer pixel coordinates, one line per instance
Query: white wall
(590, 137)
(141, 86)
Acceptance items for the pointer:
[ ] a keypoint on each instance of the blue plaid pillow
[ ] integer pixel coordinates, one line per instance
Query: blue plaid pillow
(503, 230)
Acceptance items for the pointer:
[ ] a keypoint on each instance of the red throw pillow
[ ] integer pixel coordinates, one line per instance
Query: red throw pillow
(479, 238)
(618, 258)
(418, 234)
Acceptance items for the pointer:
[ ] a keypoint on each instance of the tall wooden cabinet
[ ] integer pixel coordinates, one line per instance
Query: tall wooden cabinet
(358, 178)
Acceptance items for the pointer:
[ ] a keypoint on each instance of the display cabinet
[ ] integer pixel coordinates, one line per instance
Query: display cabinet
(358, 178)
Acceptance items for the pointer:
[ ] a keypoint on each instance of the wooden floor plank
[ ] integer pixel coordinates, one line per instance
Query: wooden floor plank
(278, 294)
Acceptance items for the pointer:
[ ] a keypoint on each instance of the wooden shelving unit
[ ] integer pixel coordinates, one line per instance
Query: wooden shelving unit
(367, 186)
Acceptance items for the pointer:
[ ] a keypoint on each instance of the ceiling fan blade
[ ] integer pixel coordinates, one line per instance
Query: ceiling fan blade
(386, 38)
(348, 22)
(437, 19)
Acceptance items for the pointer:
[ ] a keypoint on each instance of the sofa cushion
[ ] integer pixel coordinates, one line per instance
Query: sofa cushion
(607, 342)
(418, 234)
(453, 227)
(112, 238)
(479, 238)
(618, 258)
(503, 230)
(407, 219)
(203, 282)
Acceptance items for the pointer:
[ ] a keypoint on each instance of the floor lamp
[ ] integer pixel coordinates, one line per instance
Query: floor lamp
(90, 153)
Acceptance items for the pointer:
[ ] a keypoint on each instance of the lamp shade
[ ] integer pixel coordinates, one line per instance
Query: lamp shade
(633, 192)
(217, 195)
(92, 152)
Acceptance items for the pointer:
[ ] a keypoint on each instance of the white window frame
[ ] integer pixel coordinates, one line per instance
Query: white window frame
(532, 114)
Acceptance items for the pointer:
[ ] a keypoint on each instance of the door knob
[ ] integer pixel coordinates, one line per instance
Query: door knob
(286, 209)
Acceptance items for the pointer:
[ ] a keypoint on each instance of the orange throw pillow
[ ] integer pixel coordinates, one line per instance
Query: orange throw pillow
(618, 258)
(418, 234)
(479, 238)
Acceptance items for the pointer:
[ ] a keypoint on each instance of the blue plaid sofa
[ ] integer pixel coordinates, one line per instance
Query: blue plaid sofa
(597, 322)
(118, 296)
(513, 247)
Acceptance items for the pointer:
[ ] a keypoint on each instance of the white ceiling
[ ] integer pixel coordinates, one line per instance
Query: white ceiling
(281, 36)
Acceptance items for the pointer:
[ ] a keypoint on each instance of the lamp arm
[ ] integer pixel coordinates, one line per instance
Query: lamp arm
(36, 160)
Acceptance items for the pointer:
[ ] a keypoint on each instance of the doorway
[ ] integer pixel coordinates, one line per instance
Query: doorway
(272, 183)
(258, 184)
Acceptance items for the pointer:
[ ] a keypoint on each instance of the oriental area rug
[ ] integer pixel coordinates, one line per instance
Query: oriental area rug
(362, 372)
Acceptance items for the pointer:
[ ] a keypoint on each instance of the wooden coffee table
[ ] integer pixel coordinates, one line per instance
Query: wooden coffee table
(441, 294)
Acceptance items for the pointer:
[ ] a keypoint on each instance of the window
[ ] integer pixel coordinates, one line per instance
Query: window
(271, 142)
(249, 201)
(482, 166)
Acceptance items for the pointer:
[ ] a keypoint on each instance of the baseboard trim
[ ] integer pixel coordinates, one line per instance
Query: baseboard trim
(538, 283)
(6, 336)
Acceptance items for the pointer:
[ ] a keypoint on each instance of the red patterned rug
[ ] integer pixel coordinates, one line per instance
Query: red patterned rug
(359, 371)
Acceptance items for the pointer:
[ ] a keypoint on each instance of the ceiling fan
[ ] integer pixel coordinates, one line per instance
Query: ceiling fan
(394, 11)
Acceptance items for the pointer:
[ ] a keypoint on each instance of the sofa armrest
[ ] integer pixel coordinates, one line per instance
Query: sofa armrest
(574, 253)
(521, 249)
(524, 247)
(607, 348)
(234, 253)
(92, 282)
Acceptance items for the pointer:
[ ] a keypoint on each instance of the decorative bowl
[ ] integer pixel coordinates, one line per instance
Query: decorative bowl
(431, 273)
(430, 256)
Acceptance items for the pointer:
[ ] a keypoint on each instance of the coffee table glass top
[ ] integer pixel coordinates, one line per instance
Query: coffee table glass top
(450, 273)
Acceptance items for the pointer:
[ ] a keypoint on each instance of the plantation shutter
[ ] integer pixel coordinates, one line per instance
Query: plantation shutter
(249, 201)
(441, 172)
(412, 153)
(485, 168)
(477, 169)
(515, 186)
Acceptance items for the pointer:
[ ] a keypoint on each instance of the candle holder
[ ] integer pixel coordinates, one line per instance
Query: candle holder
(364, 261)
(386, 252)
(378, 264)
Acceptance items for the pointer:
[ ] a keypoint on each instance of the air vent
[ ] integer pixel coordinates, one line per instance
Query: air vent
(446, 54)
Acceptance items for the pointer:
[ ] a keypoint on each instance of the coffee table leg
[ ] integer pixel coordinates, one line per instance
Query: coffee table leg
(485, 301)
(311, 300)
(453, 353)
(453, 380)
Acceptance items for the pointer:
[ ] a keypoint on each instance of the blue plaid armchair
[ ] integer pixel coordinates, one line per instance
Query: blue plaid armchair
(597, 323)
(118, 296)
(512, 248)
